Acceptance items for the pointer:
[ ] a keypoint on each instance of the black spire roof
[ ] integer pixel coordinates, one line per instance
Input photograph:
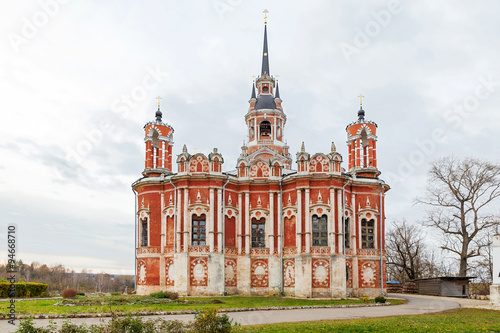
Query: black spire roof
(265, 57)
(277, 94)
(253, 90)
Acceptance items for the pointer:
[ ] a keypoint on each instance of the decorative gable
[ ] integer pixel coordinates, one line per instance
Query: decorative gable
(199, 164)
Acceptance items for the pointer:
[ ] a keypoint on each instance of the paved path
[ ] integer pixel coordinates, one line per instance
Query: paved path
(415, 305)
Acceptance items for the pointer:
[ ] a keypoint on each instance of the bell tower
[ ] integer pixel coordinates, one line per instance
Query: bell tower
(265, 118)
(362, 145)
(159, 141)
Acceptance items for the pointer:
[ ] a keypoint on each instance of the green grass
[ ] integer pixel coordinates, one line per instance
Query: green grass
(48, 307)
(458, 320)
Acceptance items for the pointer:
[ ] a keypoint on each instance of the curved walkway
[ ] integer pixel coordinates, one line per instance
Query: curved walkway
(415, 305)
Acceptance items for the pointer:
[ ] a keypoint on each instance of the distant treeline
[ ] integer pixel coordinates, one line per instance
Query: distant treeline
(58, 278)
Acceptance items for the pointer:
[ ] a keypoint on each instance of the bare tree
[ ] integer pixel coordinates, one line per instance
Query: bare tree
(460, 193)
(405, 251)
(99, 282)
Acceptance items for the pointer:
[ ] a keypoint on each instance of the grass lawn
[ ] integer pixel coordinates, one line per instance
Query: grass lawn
(458, 320)
(48, 306)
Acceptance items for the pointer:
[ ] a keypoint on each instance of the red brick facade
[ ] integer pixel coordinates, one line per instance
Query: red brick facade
(262, 228)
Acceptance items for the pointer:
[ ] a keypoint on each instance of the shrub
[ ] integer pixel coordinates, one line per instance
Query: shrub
(172, 326)
(69, 293)
(365, 299)
(208, 320)
(80, 294)
(116, 293)
(23, 289)
(380, 299)
(132, 324)
(165, 294)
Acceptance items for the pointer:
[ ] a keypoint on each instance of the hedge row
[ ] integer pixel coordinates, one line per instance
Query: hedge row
(24, 289)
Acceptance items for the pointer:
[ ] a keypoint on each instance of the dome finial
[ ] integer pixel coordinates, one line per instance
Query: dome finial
(361, 112)
(158, 112)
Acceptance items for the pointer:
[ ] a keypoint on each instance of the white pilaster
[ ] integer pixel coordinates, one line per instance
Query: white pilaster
(340, 215)
(238, 227)
(247, 223)
(211, 242)
(280, 213)
(186, 220)
(219, 220)
(307, 223)
(331, 222)
(271, 223)
(299, 222)
(179, 222)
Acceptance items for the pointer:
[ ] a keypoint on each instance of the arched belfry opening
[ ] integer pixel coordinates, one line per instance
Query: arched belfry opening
(155, 139)
(364, 148)
(265, 129)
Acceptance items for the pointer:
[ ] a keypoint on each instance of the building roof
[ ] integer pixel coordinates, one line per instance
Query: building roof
(265, 102)
(448, 278)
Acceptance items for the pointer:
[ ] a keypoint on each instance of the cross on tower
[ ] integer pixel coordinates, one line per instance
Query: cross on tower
(265, 15)
(158, 98)
(361, 100)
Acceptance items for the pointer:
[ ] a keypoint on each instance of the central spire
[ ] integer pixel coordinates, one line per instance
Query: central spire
(265, 56)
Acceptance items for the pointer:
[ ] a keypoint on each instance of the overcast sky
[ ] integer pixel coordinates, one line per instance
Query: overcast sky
(78, 80)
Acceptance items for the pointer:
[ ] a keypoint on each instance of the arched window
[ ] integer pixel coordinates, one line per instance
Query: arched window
(265, 128)
(320, 230)
(198, 231)
(347, 232)
(367, 234)
(144, 232)
(258, 233)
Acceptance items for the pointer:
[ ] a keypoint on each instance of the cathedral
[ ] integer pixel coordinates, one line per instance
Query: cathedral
(264, 228)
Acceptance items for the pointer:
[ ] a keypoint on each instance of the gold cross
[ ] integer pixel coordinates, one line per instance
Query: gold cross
(276, 77)
(158, 98)
(253, 76)
(361, 100)
(265, 15)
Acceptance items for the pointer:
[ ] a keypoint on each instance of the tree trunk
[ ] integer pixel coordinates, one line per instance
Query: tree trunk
(463, 266)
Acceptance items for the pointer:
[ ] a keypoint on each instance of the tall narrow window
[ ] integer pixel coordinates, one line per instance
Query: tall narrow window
(367, 235)
(198, 232)
(144, 232)
(258, 233)
(320, 230)
(347, 232)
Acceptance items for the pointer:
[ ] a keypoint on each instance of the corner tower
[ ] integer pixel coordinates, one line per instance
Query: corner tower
(265, 118)
(158, 137)
(362, 145)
